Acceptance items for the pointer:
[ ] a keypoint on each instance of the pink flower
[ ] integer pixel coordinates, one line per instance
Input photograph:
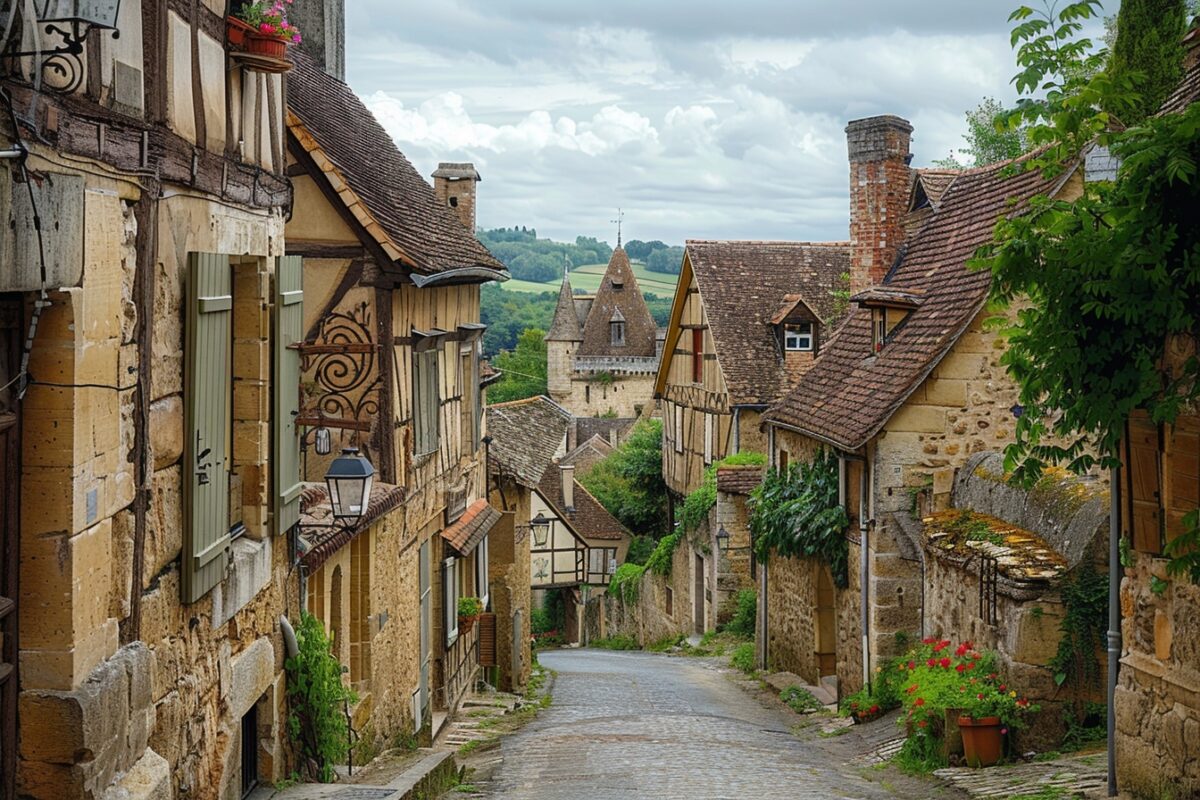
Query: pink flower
(945, 662)
(1003, 731)
(296, 37)
(267, 27)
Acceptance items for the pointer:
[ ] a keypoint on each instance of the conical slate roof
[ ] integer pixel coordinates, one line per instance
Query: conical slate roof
(618, 292)
(565, 327)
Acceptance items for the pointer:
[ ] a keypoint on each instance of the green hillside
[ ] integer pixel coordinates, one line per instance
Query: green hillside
(587, 279)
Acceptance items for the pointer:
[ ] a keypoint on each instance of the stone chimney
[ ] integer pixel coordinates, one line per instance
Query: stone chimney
(567, 471)
(323, 29)
(454, 185)
(879, 189)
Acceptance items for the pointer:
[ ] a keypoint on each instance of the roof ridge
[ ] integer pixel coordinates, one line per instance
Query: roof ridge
(789, 242)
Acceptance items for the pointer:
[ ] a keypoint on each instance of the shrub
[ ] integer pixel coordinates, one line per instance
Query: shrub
(540, 621)
(659, 561)
(626, 582)
(620, 641)
(743, 621)
(696, 505)
(743, 658)
(881, 696)
(469, 607)
(317, 719)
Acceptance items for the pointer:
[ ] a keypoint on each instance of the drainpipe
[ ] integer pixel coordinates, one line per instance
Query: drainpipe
(1114, 620)
(737, 429)
(763, 611)
(864, 572)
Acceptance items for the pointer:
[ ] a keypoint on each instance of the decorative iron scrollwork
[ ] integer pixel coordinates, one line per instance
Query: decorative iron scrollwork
(343, 386)
(61, 61)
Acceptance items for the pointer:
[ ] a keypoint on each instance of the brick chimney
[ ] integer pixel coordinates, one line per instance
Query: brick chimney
(323, 28)
(879, 188)
(568, 485)
(454, 185)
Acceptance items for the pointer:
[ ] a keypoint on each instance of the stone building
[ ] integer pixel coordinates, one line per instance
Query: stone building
(391, 365)
(602, 350)
(527, 437)
(909, 389)
(1158, 692)
(144, 198)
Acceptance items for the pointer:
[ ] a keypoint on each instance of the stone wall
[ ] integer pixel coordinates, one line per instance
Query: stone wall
(663, 608)
(732, 566)
(791, 598)
(509, 574)
(1158, 691)
(624, 396)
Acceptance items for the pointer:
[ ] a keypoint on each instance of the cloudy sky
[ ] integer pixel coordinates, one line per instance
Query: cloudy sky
(702, 119)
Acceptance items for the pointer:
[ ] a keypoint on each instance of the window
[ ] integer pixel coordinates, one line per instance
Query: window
(617, 330)
(798, 336)
(697, 355)
(678, 422)
(601, 563)
(670, 604)
(481, 572)
(709, 419)
(878, 329)
(468, 378)
(426, 400)
(450, 598)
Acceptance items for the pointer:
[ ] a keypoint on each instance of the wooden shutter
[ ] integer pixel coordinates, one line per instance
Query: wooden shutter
(207, 399)
(426, 400)
(1183, 474)
(1145, 484)
(288, 331)
(487, 639)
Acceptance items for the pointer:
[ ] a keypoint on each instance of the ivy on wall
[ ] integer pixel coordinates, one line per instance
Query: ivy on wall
(796, 513)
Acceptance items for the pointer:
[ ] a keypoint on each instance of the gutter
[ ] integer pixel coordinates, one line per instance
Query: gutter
(460, 274)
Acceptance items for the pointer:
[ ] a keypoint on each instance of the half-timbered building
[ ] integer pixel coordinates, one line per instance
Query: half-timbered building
(391, 365)
(147, 313)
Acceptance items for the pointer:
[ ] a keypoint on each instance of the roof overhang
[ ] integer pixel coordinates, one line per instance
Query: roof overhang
(889, 297)
(465, 533)
(460, 275)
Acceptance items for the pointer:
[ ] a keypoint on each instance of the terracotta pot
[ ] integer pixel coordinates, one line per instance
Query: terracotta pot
(263, 45)
(983, 743)
(465, 624)
(236, 30)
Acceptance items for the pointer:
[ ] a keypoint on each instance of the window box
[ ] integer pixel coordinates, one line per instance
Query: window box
(255, 51)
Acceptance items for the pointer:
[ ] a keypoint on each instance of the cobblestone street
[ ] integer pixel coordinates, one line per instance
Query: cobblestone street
(632, 725)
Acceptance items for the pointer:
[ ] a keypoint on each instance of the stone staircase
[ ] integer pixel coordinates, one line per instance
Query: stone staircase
(471, 722)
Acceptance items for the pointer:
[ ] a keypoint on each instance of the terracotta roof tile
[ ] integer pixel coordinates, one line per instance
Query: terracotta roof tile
(392, 201)
(618, 293)
(469, 529)
(315, 510)
(743, 284)
(849, 394)
(739, 480)
(565, 326)
(526, 435)
(587, 455)
(589, 519)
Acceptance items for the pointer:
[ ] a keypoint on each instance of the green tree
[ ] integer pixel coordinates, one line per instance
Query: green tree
(629, 483)
(524, 369)
(988, 139)
(1148, 49)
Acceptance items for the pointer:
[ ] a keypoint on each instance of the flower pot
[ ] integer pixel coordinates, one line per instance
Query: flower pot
(983, 743)
(236, 30)
(465, 624)
(244, 37)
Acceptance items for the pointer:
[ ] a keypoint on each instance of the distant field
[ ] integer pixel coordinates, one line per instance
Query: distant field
(587, 278)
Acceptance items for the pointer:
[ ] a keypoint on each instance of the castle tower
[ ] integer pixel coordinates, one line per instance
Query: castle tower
(619, 323)
(454, 185)
(562, 341)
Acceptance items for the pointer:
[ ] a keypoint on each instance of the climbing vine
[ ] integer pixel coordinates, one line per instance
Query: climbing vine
(1085, 601)
(317, 720)
(626, 582)
(697, 504)
(796, 513)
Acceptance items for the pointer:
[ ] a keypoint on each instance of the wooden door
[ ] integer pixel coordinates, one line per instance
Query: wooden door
(825, 623)
(10, 493)
(698, 596)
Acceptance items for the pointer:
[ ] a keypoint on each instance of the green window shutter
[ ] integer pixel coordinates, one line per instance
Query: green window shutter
(426, 399)
(288, 331)
(207, 394)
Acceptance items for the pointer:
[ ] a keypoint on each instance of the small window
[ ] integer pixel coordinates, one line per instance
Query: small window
(618, 284)
(878, 328)
(697, 355)
(709, 420)
(454, 202)
(617, 330)
(678, 429)
(481, 572)
(798, 336)
(450, 599)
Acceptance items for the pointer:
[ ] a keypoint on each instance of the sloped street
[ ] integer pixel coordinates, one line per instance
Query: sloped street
(639, 725)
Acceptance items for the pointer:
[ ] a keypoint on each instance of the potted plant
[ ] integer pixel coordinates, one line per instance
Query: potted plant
(989, 711)
(262, 28)
(469, 609)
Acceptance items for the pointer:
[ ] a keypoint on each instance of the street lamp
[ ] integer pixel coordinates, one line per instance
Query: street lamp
(540, 526)
(71, 20)
(349, 481)
(722, 539)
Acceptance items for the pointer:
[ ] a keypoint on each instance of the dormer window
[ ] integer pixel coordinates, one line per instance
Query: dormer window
(798, 337)
(616, 328)
(879, 329)
(618, 284)
(889, 306)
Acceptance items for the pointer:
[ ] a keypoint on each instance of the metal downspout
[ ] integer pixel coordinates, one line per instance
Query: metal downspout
(864, 571)
(1114, 621)
(737, 429)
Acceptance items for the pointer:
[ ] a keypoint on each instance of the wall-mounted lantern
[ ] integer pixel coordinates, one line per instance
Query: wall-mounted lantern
(349, 481)
(540, 526)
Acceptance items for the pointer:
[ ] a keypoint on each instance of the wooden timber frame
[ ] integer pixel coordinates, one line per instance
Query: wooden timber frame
(10, 493)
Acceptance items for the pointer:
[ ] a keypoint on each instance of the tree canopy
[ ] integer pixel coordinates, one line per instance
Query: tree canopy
(629, 483)
(524, 369)
(1148, 48)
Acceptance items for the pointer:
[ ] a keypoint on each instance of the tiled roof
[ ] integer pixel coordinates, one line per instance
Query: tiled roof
(849, 394)
(890, 296)
(604, 427)
(588, 454)
(526, 434)
(743, 284)
(1186, 93)
(589, 519)
(628, 301)
(565, 327)
(740, 479)
(315, 510)
(394, 203)
(468, 530)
